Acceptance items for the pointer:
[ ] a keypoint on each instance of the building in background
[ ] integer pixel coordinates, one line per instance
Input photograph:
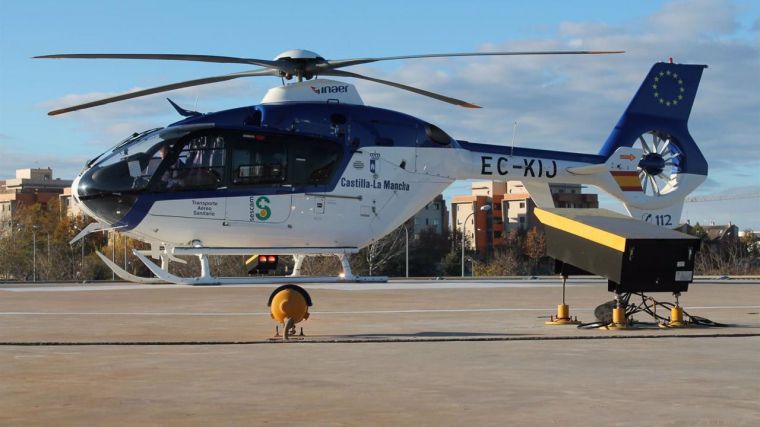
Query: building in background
(433, 216)
(518, 207)
(30, 186)
(511, 209)
(467, 214)
(714, 234)
(67, 205)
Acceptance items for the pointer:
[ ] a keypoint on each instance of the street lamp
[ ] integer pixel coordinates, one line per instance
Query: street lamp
(81, 265)
(484, 208)
(113, 253)
(34, 252)
(407, 250)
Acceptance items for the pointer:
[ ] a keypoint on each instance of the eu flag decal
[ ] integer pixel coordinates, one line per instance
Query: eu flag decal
(668, 91)
(668, 88)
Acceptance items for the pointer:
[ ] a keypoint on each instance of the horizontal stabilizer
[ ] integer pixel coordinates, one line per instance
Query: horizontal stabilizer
(540, 193)
(588, 170)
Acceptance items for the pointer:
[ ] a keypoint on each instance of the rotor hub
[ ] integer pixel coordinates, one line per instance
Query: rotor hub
(298, 63)
(299, 54)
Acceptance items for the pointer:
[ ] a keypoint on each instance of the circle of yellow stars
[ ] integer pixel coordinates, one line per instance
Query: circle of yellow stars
(665, 76)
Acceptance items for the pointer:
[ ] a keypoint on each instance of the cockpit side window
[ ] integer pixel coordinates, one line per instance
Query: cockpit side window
(199, 164)
(154, 161)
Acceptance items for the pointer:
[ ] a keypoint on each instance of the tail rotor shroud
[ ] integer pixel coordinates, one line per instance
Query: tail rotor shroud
(660, 166)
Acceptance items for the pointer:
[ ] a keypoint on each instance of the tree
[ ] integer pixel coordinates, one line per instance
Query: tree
(506, 261)
(698, 231)
(321, 266)
(535, 247)
(750, 244)
(377, 257)
(426, 252)
(452, 261)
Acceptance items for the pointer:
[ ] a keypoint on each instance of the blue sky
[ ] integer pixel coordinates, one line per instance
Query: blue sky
(561, 103)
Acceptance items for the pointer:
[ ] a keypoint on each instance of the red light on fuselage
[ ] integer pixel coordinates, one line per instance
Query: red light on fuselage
(262, 258)
(272, 258)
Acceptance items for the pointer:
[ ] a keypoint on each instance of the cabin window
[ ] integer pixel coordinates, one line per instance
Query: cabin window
(283, 160)
(198, 165)
(388, 133)
(259, 161)
(437, 135)
(314, 162)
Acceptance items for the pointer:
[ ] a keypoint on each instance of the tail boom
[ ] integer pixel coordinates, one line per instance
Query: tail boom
(649, 162)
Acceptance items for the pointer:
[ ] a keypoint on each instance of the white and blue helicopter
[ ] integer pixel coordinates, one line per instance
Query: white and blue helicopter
(312, 170)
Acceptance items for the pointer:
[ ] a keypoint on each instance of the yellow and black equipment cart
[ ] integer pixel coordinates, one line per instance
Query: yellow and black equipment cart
(633, 255)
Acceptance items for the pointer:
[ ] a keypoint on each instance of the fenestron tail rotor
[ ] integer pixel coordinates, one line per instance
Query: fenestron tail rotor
(300, 64)
(660, 164)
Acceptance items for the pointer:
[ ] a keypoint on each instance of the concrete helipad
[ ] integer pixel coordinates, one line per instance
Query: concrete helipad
(401, 353)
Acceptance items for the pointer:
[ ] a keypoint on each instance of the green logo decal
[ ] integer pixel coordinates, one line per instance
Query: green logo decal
(264, 212)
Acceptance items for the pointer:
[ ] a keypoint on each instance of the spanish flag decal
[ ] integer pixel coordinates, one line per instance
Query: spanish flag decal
(627, 180)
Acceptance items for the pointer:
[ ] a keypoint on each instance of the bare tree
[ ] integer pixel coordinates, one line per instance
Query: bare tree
(321, 266)
(381, 252)
(505, 261)
(535, 246)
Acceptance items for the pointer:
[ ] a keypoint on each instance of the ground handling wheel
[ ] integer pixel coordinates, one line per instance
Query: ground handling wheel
(289, 305)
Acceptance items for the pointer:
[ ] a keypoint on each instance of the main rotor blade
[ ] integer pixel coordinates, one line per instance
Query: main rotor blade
(139, 93)
(356, 61)
(161, 56)
(433, 95)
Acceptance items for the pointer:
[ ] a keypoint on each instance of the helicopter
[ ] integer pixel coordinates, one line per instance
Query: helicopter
(312, 170)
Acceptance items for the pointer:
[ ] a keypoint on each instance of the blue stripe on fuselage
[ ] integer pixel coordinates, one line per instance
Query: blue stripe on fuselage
(367, 124)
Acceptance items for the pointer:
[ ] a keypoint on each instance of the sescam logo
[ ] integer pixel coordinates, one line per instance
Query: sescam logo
(330, 89)
(260, 208)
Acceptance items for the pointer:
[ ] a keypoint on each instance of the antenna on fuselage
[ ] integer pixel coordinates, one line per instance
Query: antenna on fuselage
(514, 134)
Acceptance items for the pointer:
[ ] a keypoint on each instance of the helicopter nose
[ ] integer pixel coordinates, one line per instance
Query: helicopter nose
(75, 197)
(99, 202)
(76, 200)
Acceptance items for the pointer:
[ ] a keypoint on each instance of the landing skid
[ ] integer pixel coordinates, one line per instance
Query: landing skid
(129, 277)
(206, 279)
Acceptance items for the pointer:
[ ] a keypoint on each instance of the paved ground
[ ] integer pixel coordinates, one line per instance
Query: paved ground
(403, 353)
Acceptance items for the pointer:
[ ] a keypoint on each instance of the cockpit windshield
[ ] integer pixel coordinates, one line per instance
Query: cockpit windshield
(132, 149)
(130, 165)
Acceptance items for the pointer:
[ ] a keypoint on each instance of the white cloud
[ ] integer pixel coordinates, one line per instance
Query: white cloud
(14, 158)
(685, 20)
(112, 122)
